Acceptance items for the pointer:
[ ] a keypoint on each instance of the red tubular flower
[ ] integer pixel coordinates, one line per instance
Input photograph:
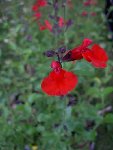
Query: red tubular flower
(48, 25)
(61, 22)
(42, 27)
(41, 3)
(38, 4)
(35, 8)
(55, 65)
(97, 56)
(37, 15)
(59, 82)
(76, 53)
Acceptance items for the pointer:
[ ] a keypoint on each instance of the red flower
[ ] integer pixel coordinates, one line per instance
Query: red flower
(48, 25)
(84, 13)
(35, 8)
(42, 27)
(97, 56)
(55, 65)
(59, 82)
(61, 22)
(76, 53)
(41, 3)
(37, 15)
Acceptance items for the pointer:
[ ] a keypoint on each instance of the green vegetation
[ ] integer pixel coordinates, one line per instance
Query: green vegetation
(27, 115)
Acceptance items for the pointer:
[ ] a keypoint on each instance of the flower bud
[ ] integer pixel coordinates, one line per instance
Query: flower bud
(49, 53)
(62, 49)
(55, 65)
(69, 23)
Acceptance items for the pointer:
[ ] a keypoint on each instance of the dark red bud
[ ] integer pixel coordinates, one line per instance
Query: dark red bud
(55, 65)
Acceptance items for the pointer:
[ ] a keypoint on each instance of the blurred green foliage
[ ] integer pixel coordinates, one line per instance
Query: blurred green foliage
(27, 115)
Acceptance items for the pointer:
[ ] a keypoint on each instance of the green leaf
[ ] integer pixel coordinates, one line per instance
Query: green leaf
(108, 119)
(93, 92)
(106, 91)
(84, 68)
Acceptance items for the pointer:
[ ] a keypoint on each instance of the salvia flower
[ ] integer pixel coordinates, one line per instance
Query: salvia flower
(41, 27)
(59, 82)
(34, 8)
(37, 15)
(76, 53)
(48, 25)
(55, 65)
(41, 3)
(96, 55)
(38, 4)
(61, 22)
(58, 21)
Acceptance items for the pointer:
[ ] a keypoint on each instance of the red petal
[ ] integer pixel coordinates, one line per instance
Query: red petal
(42, 27)
(76, 53)
(86, 42)
(55, 64)
(99, 53)
(37, 15)
(48, 25)
(99, 64)
(61, 22)
(87, 55)
(97, 56)
(41, 3)
(57, 84)
(35, 8)
(100, 58)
